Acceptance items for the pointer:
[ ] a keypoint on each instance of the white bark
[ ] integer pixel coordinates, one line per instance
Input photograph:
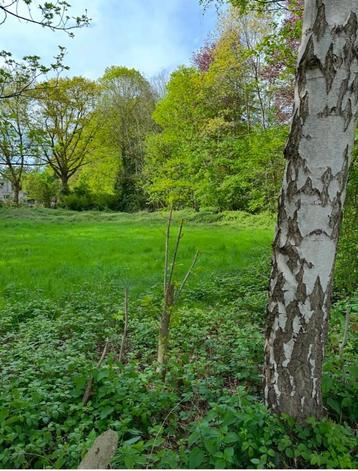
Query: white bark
(310, 207)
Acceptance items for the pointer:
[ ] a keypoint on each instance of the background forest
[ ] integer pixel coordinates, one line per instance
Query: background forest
(95, 167)
(210, 135)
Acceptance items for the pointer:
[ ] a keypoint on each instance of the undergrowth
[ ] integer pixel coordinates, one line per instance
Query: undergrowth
(209, 411)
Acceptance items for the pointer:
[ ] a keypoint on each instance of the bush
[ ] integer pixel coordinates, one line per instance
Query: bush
(82, 199)
(238, 432)
(42, 187)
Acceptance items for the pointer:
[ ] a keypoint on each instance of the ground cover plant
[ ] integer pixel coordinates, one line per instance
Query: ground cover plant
(209, 411)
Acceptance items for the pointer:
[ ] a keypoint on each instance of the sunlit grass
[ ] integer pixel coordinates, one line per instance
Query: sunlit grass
(58, 252)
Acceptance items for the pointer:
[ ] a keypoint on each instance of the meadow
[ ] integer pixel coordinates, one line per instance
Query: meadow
(58, 252)
(62, 278)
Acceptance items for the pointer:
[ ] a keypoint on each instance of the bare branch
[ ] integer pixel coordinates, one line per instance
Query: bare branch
(186, 277)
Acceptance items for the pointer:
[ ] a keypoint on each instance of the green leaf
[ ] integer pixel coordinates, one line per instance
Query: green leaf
(131, 441)
(196, 458)
(229, 454)
(231, 437)
(334, 405)
(106, 411)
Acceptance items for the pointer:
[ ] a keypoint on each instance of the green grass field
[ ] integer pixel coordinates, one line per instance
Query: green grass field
(61, 279)
(59, 252)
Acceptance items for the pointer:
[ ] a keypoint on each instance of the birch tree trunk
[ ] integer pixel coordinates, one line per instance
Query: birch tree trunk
(318, 157)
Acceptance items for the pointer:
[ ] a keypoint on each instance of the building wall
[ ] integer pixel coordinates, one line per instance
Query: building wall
(5, 189)
(6, 193)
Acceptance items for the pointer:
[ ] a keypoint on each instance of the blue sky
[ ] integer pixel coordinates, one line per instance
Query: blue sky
(150, 35)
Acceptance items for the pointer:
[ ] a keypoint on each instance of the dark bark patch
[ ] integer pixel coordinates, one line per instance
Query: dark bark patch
(336, 215)
(294, 139)
(290, 251)
(278, 292)
(317, 296)
(301, 287)
(351, 26)
(354, 89)
(304, 108)
(309, 190)
(330, 69)
(326, 179)
(308, 60)
(293, 231)
(320, 25)
(347, 115)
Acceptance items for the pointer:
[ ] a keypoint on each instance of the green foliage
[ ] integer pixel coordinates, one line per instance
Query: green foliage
(209, 412)
(43, 187)
(214, 148)
(238, 432)
(340, 385)
(346, 280)
(81, 198)
(232, 174)
(125, 109)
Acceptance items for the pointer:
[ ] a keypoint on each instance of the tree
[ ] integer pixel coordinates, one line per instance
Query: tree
(42, 186)
(169, 175)
(159, 84)
(127, 104)
(17, 148)
(64, 124)
(213, 149)
(318, 155)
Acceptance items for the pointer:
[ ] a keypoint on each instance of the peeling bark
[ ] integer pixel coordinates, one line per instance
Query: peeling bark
(318, 156)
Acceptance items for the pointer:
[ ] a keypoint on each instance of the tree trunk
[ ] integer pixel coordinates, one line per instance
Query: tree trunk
(16, 190)
(318, 157)
(65, 189)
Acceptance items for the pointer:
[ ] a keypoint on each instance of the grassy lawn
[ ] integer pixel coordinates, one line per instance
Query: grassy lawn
(59, 252)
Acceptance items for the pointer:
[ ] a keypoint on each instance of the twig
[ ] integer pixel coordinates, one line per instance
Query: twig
(167, 239)
(88, 391)
(186, 277)
(179, 236)
(125, 329)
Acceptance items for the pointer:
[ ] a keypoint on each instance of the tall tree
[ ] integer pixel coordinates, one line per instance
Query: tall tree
(17, 147)
(318, 157)
(64, 123)
(127, 105)
(213, 148)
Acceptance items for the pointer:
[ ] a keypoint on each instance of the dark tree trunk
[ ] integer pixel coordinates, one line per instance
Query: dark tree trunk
(16, 190)
(318, 157)
(65, 189)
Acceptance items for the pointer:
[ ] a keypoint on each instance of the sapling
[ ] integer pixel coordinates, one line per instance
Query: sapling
(171, 293)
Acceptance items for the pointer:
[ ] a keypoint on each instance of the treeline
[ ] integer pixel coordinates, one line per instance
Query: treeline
(211, 136)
